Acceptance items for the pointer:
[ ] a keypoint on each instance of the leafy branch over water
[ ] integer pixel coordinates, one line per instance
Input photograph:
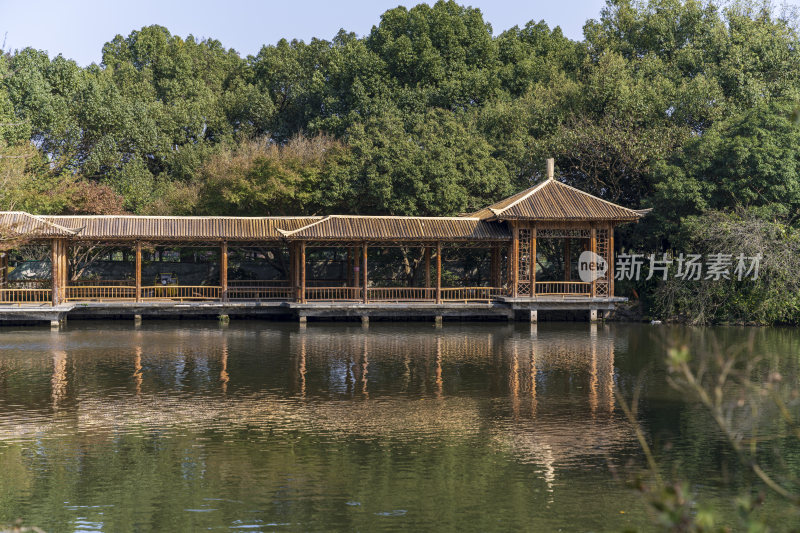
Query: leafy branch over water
(752, 406)
(727, 391)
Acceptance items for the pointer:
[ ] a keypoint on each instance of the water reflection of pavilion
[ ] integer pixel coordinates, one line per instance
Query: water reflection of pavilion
(545, 396)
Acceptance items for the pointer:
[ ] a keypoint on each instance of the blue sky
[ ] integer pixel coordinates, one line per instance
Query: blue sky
(78, 28)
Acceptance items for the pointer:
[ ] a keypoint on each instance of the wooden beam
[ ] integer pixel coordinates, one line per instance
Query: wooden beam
(364, 274)
(302, 260)
(438, 272)
(138, 271)
(223, 270)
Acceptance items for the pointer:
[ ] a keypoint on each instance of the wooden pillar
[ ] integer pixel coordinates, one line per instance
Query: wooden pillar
(364, 273)
(593, 248)
(55, 277)
(62, 269)
(291, 277)
(427, 267)
(515, 260)
(495, 267)
(509, 267)
(64, 266)
(611, 260)
(438, 272)
(3, 268)
(356, 266)
(567, 260)
(296, 270)
(223, 270)
(138, 271)
(302, 260)
(533, 260)
(349, 273)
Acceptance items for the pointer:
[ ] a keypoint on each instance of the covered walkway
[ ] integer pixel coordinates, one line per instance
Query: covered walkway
(524, 248)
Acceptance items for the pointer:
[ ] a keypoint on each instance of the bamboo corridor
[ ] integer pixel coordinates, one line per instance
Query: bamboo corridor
(526, 241)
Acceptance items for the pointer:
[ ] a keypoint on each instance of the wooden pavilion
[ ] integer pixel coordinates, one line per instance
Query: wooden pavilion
(508, 232)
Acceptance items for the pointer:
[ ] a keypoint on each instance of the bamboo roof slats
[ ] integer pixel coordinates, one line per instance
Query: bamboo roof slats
(550, 202)
(120, 227)
(387, 228)
(553, 200)
(20, 223)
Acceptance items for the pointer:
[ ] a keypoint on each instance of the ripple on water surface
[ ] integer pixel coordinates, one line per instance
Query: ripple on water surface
(263, 426)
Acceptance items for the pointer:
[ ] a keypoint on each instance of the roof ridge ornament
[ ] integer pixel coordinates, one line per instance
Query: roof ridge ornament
(551, 163)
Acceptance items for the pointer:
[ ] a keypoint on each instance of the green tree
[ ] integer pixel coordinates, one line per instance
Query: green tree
(749, 160)
(432, 164)
(262, 178)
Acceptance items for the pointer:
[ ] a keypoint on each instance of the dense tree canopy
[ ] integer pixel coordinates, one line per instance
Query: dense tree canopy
(686, 106)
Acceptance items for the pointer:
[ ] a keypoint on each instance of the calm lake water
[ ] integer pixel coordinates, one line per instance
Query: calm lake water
(183, 426)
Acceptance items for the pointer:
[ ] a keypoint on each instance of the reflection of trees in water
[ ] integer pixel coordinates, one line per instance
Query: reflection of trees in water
(543, 397)
(429, 369)
(535, 377)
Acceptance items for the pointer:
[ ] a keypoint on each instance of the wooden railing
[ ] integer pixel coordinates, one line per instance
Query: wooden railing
(333, 294)
(323, 283)
(259, 293)
(19, 296)
(564, 288)
(181, 292)
(400, 294)
(100, 292)
(263, 290)
(249, 283)
(102, 283)
(28, 284)
(470, 294)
